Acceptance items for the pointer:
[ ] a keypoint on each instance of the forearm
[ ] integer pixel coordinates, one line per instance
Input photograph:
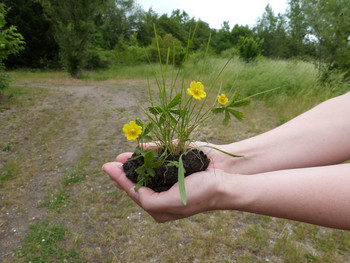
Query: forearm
(318, 195)
(320, 136)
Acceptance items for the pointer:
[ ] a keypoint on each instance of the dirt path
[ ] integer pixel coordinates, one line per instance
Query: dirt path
(47, 139)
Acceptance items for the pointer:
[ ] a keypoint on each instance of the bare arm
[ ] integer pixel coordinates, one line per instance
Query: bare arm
(320, 136)
(318, 195)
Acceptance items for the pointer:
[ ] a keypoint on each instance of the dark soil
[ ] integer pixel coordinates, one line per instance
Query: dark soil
(166, 176)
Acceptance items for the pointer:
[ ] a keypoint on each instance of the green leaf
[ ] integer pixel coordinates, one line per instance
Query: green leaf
(240, 103)
(181, 180)
(156, 164)
(239, 115)
(148, 138)
(155, 110)
(150, 171)
(217, 149)
(148, 158)
(139, 123)
(138, 150)
(141, 171)
(175, 101)
(235, 96)
(148, 128)
(137, 187)
(173, 163)
(227, 117)
(177, 112)
(218, 110)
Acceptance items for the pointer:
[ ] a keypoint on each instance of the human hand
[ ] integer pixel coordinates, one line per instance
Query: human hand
(203, 192)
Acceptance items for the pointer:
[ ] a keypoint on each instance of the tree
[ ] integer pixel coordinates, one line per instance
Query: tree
(117, 22)
(145, 27)
(73, 23)
(11, 42)
(272, 29)
(222, 38)
(41, 50)
(240, 31)
(329, 24)
(249, 49)
(167, 44)
(297, 28)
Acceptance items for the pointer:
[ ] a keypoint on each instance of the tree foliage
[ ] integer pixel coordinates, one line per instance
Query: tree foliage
(11, 42)
(329, 22)
(93, 34)
(249, 48)
(41, 50)
(73, 23)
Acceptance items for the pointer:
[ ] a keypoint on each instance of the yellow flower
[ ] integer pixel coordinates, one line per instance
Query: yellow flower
(222, 99)
(132, 130)
(197, 90)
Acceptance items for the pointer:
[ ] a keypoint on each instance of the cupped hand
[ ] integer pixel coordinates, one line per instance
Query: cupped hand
(203, 191)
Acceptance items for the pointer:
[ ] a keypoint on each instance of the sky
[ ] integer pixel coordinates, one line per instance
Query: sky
(242, 12)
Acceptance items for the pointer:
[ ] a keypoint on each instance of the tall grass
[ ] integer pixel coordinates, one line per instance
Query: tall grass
(298, 82)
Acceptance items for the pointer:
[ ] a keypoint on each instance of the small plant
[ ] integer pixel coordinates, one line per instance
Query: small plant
(176, 113)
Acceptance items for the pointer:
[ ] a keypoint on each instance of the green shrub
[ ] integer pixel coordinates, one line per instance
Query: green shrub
(249, 49)
(170, 44)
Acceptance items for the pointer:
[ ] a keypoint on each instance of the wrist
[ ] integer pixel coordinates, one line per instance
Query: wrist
(233, 192)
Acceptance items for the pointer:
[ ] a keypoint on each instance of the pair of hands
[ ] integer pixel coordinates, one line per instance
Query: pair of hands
(203, 189)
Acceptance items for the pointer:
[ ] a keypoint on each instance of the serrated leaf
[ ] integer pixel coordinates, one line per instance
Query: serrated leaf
(227, 118)
(175, 101)
(155, 110)
(177, 112)
(217, 110)
(235, 96)
(139, 123)
(148, 128)
(240, 103)
(181, 180)
(138, 150)
(140, 171)
(150, 171)
(173, 163)
(239, 115)
(148, 158)
(156, 164)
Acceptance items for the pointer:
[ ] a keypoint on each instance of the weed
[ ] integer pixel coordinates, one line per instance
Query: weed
(10, 170)
(43, 244)
(57, 201)
(72, 177)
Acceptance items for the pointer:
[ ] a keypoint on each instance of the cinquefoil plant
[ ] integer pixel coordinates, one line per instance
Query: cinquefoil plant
(176, 112)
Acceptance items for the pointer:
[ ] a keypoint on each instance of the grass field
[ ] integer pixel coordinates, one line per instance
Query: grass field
(57, 205)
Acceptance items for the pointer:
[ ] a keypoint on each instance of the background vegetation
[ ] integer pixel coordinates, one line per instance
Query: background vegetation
(77, 34)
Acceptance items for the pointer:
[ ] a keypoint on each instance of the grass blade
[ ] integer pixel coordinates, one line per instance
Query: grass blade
(181, 179)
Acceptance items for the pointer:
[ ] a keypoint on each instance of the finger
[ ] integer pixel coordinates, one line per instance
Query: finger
(122, 158)
(116, 172)
(150, 145)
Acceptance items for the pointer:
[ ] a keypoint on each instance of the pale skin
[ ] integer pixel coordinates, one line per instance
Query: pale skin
(295, 171)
